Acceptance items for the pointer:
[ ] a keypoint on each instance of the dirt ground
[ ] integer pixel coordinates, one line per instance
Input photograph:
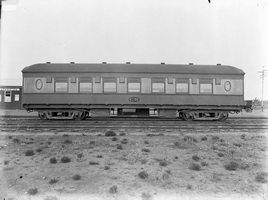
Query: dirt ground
(134, 165)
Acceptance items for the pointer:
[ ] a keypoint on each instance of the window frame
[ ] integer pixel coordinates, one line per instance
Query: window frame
(85, 80)
(158, 80)
(183, 81)
(110, 80)
(17, 97)
(134, 80)
(8, 98)
(61, 80)
(206, 82)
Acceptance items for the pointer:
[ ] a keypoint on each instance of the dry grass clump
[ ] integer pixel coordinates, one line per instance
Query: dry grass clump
(231, 166)
(204, 164)
(93, 163)
(189, 139)
(119, 146)
(68, 141)
(196, 158)
(215, 138)
(110, 133)
(261, 177)
(39, 149)
(113, 189)
(189, 186)
(195, 167)
(143, 161)
(80, 155)
(6, 162)
(16, 140)
(143, 174)
(29, 153)
(145, 150)
(114, 139)
(163, 163)
(122, 134)
(204, 138)
(76, 177)
(32, 191)
(220, 154)
(124, 141)
(65, 159)
(54, 180)
(106, 167)
(53, 160)
(146, 196)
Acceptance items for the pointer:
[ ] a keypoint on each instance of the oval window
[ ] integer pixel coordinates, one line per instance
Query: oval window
(227, 86)
(39, 84)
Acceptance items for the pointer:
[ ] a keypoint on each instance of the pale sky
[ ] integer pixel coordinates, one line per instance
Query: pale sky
(230, 32)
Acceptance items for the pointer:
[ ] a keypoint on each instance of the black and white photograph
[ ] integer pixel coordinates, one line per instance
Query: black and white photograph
(133, 100)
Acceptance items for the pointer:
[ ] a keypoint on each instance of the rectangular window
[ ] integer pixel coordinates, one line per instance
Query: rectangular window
(17, 97)
(182, 87)
(218, 81)
(85, 87)
(121, 79)
(73, 79)
(0, 97)
(134, 87)
(206, 88)
(158, 87)
(109, 87)
(170, 80)
(7, 96)
(61, 87)
(97, 79)
(49, 79)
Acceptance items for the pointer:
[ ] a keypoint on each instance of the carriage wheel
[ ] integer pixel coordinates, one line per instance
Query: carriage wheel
(186, 117)
(83, 116)
(42, 115)
(224, 116)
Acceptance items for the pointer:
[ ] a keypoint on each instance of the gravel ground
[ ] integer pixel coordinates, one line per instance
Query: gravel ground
(177, 165)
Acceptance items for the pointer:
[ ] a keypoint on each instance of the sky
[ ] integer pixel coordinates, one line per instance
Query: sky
(230, 32)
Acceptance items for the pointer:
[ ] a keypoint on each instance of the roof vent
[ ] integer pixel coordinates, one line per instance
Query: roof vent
(219, 64)
(128, 62)
(162, 63)
(72, 62)
(104, 62)
(191, 63)
(48, 62)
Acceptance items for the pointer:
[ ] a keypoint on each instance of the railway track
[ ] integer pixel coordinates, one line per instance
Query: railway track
(133, 124)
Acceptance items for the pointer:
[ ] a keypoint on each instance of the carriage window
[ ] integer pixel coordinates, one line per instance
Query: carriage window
(158, 87)
(7, 96)
(17, 97)
(134, 87)
(61, 87)
(0, 97)
(206, 88)
(182, 87)
(85, 87)
(109, 87)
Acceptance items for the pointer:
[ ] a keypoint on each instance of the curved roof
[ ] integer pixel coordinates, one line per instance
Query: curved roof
(132, 68)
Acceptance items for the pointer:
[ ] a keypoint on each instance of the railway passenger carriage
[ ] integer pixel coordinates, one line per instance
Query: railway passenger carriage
(96, 90)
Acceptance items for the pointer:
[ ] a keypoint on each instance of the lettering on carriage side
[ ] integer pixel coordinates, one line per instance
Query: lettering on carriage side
(134, 99)
(38, 84)
(227, 86)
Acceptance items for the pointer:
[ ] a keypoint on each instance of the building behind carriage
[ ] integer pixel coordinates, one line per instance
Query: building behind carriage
(10, 97)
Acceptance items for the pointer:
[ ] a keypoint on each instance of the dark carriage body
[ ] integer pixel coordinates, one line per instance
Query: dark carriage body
(132, 89)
